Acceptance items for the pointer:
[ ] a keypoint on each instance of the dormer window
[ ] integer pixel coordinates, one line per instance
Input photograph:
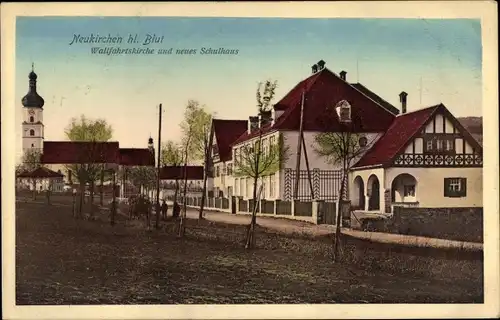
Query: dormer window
(343, 109)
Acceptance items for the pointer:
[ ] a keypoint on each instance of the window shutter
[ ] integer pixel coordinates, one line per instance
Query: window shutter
(463, 183)
(447, 187)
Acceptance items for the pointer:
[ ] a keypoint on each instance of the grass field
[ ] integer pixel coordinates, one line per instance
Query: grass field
(60, 260)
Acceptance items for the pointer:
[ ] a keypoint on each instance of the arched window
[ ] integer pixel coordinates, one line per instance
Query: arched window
(32, 145)
(32, 132)
(343, 109)
(32, 119)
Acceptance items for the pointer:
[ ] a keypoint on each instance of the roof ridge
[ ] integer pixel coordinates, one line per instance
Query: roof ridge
(418, 110)
(359, 83)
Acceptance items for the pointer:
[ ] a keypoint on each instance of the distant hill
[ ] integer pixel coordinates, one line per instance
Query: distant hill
(474, 125)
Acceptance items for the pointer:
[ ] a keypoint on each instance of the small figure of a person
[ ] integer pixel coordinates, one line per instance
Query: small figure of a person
(164, 209)
(176, 210)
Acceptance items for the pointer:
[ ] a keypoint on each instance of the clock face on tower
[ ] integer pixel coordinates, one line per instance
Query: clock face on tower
(31, 112)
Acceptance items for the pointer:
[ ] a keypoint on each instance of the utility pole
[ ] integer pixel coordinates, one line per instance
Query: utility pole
(299, 150)
(158, 173)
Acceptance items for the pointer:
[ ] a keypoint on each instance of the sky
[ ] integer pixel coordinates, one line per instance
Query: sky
(434, 61)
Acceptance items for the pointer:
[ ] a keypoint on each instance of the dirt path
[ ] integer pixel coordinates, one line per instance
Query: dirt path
(294, 227)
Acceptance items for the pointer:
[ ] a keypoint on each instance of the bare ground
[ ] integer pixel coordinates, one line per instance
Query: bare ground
(60, 260)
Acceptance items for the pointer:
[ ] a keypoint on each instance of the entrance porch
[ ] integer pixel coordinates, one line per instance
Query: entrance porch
(374, 191)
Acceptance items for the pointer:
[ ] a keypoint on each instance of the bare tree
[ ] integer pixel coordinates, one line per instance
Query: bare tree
(342, 149)
(187, 143)
(255, 160)
(197, 124)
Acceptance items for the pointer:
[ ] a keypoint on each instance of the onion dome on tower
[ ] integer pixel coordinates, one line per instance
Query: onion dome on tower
(32, 99)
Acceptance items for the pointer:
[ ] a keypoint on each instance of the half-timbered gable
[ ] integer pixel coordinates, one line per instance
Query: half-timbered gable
(430, 137)
(442, 142)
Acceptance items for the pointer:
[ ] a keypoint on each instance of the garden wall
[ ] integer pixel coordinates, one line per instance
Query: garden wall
(461, 224)
(305, 211)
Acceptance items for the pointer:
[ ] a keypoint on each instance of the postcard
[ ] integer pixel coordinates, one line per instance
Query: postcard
(249, 160)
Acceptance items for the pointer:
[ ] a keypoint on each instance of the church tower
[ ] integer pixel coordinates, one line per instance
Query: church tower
(32, 135)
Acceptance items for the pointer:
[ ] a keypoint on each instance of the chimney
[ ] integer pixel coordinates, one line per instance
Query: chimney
(150, 144)
(253, 124)
(343, 75)
(321, 65)
(265, 118)
(402, 99)
(314, 68)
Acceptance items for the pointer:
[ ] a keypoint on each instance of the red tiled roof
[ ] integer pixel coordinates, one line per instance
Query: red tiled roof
(40, 172)
(399, 134)
(323, 90)
(177, 172)
(375, 97)
(136, 157)
(226, 132)
(73, 152)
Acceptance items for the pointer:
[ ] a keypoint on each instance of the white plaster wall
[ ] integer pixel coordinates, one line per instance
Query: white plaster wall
(316, 161)
(224, 181)
(430, 185)
(459, 146)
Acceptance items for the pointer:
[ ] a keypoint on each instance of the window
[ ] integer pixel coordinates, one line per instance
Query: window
(249, 187)
(272, 181)
(32, 145)
(32, 132)
(264, 186)
(343, 109)
(428, 145)
(363, 141)
(215, 150)
(236, 187)
(409, 191)
(439, 144)
(217, 171)
(272, 141)
(229, 169)
(242, 187)
(455, 187)
(265, 146)
(450, 145)
(32, 119)
(223, 169)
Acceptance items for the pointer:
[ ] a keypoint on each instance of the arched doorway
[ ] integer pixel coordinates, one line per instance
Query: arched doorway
(404, 189)
(358, 200)
(373, 193)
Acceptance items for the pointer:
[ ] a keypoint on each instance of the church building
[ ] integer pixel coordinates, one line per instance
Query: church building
(32, 140)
